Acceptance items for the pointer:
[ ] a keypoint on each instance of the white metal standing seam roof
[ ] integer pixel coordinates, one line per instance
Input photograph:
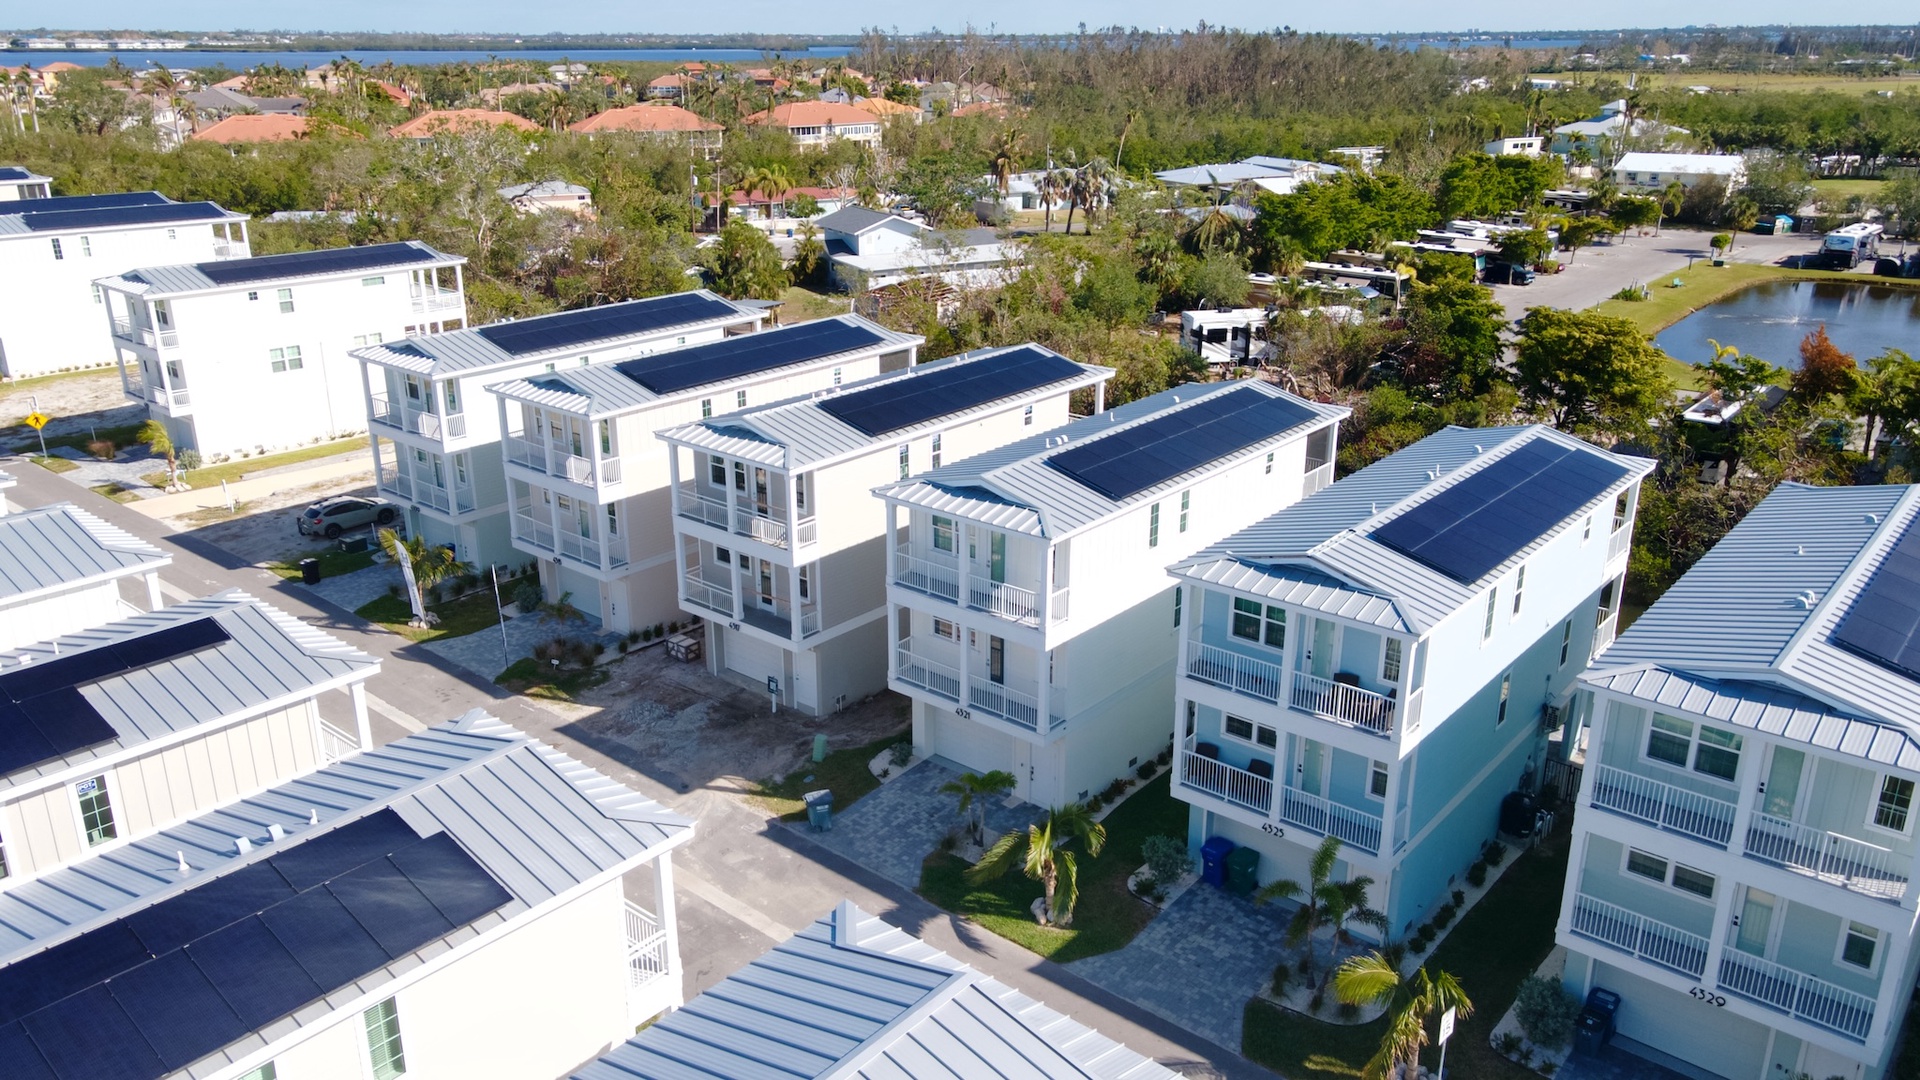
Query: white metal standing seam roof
(1740, 620)
(273, 660)
(53, 548)
(1319, 553)
(598, 391)
(798, 434)
(856, 999)
(1014, 489)
(464, 351)
(161, 281)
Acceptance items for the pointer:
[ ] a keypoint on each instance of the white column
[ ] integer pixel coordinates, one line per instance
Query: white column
(153, 591)
(362, 725)
(1722, 929)
(1390, 812)
(669, 924)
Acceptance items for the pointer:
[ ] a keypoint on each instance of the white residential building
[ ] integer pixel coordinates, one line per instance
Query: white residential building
(436, 433)
(1226, 337)
(53, 250)
(63, 570)
(1516, 146)
(255, 354)
(589, 484)
(780, 543)
(17, 183)
(868, 249)
(463, 903)
(1031, 621)
(1643, 173)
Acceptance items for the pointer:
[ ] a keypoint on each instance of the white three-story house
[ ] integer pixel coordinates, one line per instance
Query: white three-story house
(781, 544)
(254, 354)
(436, 433)
(1374, 663)
(589, 483)
(1742, 864)
(1031, 621)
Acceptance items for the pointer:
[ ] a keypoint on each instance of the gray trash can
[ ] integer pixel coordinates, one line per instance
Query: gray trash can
(819, 809)
(310, 571)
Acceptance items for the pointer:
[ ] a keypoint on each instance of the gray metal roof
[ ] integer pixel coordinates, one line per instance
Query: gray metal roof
(854, 998)
(855, 219)
(799, 434)
(541, 189)
(159, 281)
(50, 549)
(466, 352)
(1741, 613)
(272, 661)
(1320, 553)
(1013, 489)
(597, 390)
(32, 217)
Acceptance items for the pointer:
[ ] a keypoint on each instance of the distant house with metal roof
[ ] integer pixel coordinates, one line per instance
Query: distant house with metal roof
(62, 570)
(1745, 822)
(851, 996)
(378, 917)
(1650, 173)
(1276, 175)
(532, 198)
(872, 249)
(17, 184)
(249, 355)
(1608, 133)
(436, 432)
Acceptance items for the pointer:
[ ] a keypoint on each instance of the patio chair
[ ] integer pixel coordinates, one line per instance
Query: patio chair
(1261, 767)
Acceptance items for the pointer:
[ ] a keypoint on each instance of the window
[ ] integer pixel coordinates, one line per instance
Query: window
(362, 340)
(1178, 592)
(1687, 879)
(264, 1072)
(287, 359)
(1390, 660)
(723, 556)
(372, 281)
(836, 376)
(251, 295)
(806, 581)
(1269, 469)
(1859, 945)
(97, 297)
(946, 629)
(1586, 534)
(903, 461)
(936, 453)
(383, 1041)
(96, 810)
(86, 246)
(1184, 504)
(1493, 601)
(1026, 417)
(1506, 691)
(739, 476)
(57, 253)
(1519, 587)
(1377, 780)
(172, 235)
(613, 519)
(1256, 622)
(1566, 640)
(717, 472)
(1248, 731)
(739, 399)
(1153, 525)
(1895, 805)
(943, 533)
(286, 301)
(1647, 866)
(706, 408)
(1710, 751)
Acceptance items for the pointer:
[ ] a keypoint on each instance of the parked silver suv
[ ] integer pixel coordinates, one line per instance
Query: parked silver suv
(331, 517)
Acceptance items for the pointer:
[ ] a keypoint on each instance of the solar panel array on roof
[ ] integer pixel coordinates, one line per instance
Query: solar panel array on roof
(63, 203)
(916, 399)
(569, 328)
(1480, 522)
(167, 985)
(1883, 623)
(1136, 458)
(42, 713)
(14, 172)
(106, 216)
(730, 358)
(308, 263)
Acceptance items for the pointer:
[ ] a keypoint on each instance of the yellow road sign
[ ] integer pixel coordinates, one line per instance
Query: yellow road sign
(37, 420)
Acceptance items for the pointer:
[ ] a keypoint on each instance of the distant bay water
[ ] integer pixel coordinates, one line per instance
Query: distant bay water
(240, 61)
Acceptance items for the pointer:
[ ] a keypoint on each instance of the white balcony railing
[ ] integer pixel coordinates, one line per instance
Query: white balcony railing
(702, 593)
(1328, 818)
(647, 957)
(1663, 806)
(421, 422)
(143, 334)
(1604, 630)
(1009, 602)
(1617, 542)
(942, 680)
(1343, 703)
(335, 744)
(1829, 856)
(169, 399)
(689, 503)
(1814, 1000)
(1231, 671)
(1013, 706)
(438, 301)
(1226, 782)
(1649, 939)
(934, 577)
(1319, 476)
(1057, 604)
(531, 530)
(749, 522)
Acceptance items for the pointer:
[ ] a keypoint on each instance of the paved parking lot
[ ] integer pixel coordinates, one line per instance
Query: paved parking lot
(1595, 273)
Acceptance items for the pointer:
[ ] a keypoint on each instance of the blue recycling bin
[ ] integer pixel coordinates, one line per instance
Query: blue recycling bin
(1213, 861)
(819, 809)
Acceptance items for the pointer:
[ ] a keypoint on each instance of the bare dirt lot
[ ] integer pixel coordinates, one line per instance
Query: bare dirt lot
(77, 403)
(263, 530)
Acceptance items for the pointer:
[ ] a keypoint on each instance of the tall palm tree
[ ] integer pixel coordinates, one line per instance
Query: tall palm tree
(1323, 901)
(1041, 852)
(1053, 188)
(1414, 1002)
(154, 434)
(430, 564)
(1006, 159)
(974, 789)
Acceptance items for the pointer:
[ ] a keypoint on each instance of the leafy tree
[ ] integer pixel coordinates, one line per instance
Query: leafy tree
(1777, 182)
(1323, 901)
(1218, 279)
(809, 256)
(1461, 323)
(1737, 379)
(1479, 186)
(1825, 371)
(746, 264)
(1525, 247)
(1634, 211)
(1887, 391)
(1704, 204)
(1110, 291)
(974, 789)
(803, 205)
(1577, 233)
(431, 564)
(1591, 372)
(1433, 267)
(1341, 212)
(1043, 856)
(1899, 200)
(154, 434)
(1412, 1003)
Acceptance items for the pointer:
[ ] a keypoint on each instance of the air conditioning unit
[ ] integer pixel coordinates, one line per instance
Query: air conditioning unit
(1554, 713)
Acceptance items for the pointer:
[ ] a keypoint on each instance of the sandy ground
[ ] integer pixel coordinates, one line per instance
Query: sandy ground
(75, 402)
(264, 530)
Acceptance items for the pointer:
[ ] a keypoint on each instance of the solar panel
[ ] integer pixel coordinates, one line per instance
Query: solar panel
(169, 1000)
(21, 744)
(324, 939)
(14, 172)
(170, 642)
(64, 203)
(256, 976)
(90, 1035)
(730, 358)
(24, 1060)
(1480, 522)
(200, 911)
(354, 844)
(1136, 458)
(917, 398)
(104, 216)
(310, 263)
(444, 875)
(1883, 622)
(395, 913)
(32, 983)
(570, 328)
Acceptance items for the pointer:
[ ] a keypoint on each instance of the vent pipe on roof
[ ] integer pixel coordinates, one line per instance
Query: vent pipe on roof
(1799, 549)
(1873, 519)
(276, 832)
(183, 868)
(1477, 449)
(313, 817)
(242, 845)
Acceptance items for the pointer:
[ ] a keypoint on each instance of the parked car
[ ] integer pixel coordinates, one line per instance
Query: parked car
(1507, 274)
(331, 517)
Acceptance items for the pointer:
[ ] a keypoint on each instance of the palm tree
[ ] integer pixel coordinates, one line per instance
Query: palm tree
(1045, 858)
(1671, 198)
(1006, 159)
(154, 434)
(1053, 188)
(161, 85)
(430, 565)
(974, 790)
(1374, 980)
(1323, 901)
(1119, 156)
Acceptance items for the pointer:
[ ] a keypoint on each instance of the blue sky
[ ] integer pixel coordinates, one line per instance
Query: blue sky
(581, 16)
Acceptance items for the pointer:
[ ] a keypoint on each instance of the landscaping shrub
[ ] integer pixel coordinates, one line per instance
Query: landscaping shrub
(659, 629)
(1459, 898)
(1443, 917)
(1113, 791)
(1634, 293)
(1477, 874)
(1496, 852)
(633, 637)
(527, 596)
(647, 634)
(1282, 975)
(1146, 770)
(1508, 1044)
(1546, 1011)
(899, 754)
(1094, 804)
(1165, 757)
(188, 460)
(102, 449)
(1166, 858)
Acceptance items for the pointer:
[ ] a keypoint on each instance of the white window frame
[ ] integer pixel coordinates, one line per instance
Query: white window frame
(80, 814)
(906, 459)
(1266, 617)
(706, 408)
(1519, 590)
(1566, 641)
(285, 359)
(1880, 791)
(397, 1040)
(836, 376)
(1506, 698)
(951, 528)
(86, 247)
(1026, 418)
(946, 628)
(1493, 604)
(1153, 525)
(1179, 592)
(1253, 737)
(1269, 471)
(1186, 503)
(739, 399)
(1692, 765)
(935, 457)
(59, 255)
(1378, 777)
(285, 298)
(1878, 937)
(1393, 660)
(370, 282)
(1668, 867)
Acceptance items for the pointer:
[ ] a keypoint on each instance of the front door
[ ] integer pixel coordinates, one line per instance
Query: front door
(1313, 762)
(1022, 769)
(1755, 931)
(1784, 769)
(997, 557)
(766, 584)
(1320, 658)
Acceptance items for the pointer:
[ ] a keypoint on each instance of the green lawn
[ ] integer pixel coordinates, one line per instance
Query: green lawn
(54, 464)
(238, 468)
(803, 305)
(467, 615)
(1846, 189)
(1493, 948)
(843, 772)
(1107, 917)
(333, 561)
(113, 491)
(528, 676)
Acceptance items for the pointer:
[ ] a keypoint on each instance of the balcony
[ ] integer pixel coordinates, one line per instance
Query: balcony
(558, 461)
(1619, 539)
(1603, 631)
(1005, 601)
(936, 577)
(1655, 942)
(918, 670)
(739, 516)
(1344, 703)
(439, 301)
(777, 619)
(421, 422)
(1228, 783)
(649, 960)
(702, 593)
(421, 493)
(1328, 818)
(142, 334)
(172, 400)
(1805, 997)
(1318, 477)
(1663, 806)
(1833, 858)
(1231, 671)
(1014, 706)
(586, 550)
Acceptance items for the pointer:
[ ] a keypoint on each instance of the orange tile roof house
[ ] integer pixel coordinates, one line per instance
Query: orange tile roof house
(249, 128)
(429, 124)
(815, 122)
(887, 110)
(657, 120)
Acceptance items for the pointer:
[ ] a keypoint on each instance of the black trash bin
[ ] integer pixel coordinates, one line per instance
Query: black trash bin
(1596, 1020)
(1517, 812)
(819, 809)
(1243, 871)
(310, 571)
(1213, 861)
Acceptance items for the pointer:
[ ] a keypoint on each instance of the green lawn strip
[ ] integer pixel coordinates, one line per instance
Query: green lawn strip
(54, 464)
(534, 679)
(1493, 948)
(113, 491)
(801, 304)
(243, 467)
(467, 615)
(333, 561)
(1107, 916)
(843, 772)
(1847, 188)
(14, 385)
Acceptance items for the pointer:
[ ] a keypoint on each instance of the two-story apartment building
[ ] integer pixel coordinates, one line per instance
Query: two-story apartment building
(436, 433)
(63, 569)
(1742, 865)
(589, 485)
(255, 354)
(52, 251)
(1376, 663)
(17, 183)
(463, 903)
(1030, 618)
(780, 543)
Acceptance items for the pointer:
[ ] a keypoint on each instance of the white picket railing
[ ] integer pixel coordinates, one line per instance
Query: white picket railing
(1342, 703)
(1241, 674)
(1840, 860)
(1702, 817)
(1400, 822)
(647, 957)
(1617, 542)
(704, 594)
(1228, 782)
(1057, 603)
(1603, 632)
(1814, 1000)
(1007, 601)
(1317, 477)
(1649, 939)
(1328, 818)
(930, 576)
(702, 508)
(1013, 706)
(929, 675)
(335, 744)
(748, 521)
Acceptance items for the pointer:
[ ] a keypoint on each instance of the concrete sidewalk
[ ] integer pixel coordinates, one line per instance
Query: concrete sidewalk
(344, 470)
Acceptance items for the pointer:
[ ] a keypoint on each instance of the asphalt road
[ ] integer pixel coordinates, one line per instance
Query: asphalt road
(742, 885)
(1596, 273)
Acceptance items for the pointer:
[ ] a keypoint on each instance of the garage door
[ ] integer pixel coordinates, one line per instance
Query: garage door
(974, 746)
(754, 658)
(1713, 1038)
